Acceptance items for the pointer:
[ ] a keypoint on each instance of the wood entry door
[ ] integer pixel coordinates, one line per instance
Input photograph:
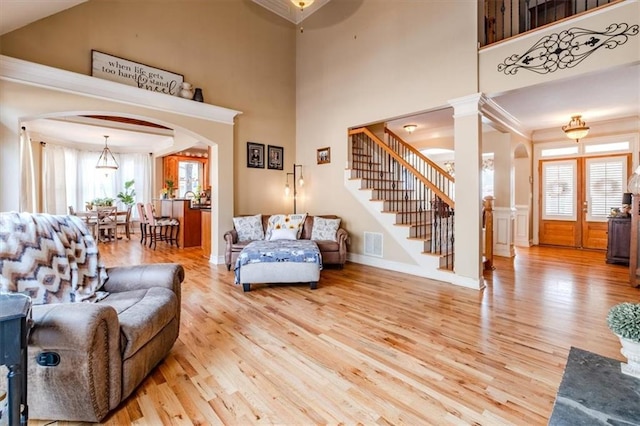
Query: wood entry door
(576, 198)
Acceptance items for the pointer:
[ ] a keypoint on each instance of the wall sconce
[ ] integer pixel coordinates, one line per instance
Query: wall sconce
(410, 127)
(287, 188)
(576, 129)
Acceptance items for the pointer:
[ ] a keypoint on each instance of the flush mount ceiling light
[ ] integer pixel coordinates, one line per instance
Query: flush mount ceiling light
(410, 127)
(302, 3)
(576, 129)
(107, 160)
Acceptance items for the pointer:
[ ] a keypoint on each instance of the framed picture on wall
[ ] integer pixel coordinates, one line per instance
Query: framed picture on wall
(275, 157)
(255, 155)
(324, 155)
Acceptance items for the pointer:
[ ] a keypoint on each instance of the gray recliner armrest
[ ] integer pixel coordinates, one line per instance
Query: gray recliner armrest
(87, 383)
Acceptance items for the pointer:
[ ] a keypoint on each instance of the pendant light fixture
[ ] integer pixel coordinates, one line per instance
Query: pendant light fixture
(302, 4)
(106, 160)
(576, 129)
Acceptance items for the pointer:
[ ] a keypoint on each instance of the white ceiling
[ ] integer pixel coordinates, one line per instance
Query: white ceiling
(89, 133)
(597, 97)
(615, 94)
(15, 14)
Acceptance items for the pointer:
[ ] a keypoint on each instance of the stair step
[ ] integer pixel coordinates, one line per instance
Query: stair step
(399, 205)
(368, 173)
(381, 184)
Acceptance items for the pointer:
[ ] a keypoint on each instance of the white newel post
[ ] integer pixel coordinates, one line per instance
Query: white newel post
(504, 219)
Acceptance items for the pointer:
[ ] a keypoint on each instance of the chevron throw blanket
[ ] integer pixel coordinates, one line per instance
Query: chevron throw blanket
(52, 259)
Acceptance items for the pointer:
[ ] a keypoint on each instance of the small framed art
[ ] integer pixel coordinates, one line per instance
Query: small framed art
(324, 155)
(275, 156)
(255, 155)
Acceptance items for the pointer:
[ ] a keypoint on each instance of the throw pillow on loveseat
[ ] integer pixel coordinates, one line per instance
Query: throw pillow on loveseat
(333, 251)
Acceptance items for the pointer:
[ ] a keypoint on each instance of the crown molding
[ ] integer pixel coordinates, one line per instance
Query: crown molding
(287, 10)
(32, 74)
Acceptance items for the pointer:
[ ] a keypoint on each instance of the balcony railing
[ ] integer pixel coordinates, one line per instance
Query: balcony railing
(507, 18)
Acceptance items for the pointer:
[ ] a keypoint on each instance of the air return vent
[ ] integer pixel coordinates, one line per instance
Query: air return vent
(373, 244)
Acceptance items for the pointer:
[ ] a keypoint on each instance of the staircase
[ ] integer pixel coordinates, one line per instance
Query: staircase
(410, 196)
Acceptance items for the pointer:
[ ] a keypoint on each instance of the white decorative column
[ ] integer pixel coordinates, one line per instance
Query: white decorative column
(521, 237)
(504, 219)
(468, 208)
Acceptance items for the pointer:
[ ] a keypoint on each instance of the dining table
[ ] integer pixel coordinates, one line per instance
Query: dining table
(91, 218)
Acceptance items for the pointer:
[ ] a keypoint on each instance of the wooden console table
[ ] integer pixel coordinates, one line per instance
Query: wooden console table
(15, 322)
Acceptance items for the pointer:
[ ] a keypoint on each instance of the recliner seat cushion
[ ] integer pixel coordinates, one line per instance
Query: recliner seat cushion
(142, 315)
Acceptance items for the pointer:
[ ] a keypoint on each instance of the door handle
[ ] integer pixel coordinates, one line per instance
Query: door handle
(585, 206)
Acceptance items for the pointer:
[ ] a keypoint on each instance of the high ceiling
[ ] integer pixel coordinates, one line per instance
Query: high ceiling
(596, 97)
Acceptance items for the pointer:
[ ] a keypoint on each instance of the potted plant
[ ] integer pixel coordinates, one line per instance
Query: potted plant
(128, 196)
(624, 320)
(103, 202)
(169, 183)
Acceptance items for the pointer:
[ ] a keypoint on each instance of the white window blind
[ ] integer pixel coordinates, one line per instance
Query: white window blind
(559, 190)
(606, 178)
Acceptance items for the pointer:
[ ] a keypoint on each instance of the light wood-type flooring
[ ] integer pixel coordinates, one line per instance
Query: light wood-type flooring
(375, 347)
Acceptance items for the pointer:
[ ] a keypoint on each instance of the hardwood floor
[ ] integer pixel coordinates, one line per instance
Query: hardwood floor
(371, 346)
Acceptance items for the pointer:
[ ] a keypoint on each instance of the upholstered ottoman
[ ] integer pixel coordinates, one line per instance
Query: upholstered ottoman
(280, 261)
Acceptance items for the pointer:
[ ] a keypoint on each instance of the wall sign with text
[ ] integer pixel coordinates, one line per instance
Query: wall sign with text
(131, 73)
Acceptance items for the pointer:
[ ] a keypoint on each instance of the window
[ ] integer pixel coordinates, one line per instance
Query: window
(559, 190)
(606, 178)
(189, 176)
(557, 152)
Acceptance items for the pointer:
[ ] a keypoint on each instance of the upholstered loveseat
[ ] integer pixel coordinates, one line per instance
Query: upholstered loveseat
(333, 251)
(105, 345)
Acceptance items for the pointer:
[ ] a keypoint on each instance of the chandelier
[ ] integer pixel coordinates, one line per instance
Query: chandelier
(576, 129)
(106, 159)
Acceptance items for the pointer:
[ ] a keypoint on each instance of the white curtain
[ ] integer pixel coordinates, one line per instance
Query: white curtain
(54, 192)
(70, 178)
(27, 174)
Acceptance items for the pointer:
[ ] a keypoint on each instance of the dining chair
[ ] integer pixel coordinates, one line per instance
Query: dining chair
(161, 229)
(144, 223)
(125, 222)
(107, 224)
(90, 221)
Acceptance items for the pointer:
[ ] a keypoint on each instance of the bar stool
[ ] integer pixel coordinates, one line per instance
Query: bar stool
(161, 229)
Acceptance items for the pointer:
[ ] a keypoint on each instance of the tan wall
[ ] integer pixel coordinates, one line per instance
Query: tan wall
(241, 55)
(362, 62)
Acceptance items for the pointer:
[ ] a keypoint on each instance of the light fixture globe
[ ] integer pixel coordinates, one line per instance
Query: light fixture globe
(302, 3)
(576, 129)
(410, 127)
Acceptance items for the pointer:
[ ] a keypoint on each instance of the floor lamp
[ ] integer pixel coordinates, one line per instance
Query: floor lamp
(287, 189)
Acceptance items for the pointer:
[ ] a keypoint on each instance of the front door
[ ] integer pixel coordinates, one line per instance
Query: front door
(577, 195)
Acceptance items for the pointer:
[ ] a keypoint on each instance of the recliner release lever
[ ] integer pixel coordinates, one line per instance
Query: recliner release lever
(48, 359)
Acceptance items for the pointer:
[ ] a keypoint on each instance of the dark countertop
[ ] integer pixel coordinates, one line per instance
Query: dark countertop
(595, 391)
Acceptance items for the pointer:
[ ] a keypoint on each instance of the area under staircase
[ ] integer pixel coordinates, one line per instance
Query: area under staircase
(410, 196)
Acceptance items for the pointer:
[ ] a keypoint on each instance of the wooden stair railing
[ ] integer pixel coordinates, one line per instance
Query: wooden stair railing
(415, 189)
(487, 222)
